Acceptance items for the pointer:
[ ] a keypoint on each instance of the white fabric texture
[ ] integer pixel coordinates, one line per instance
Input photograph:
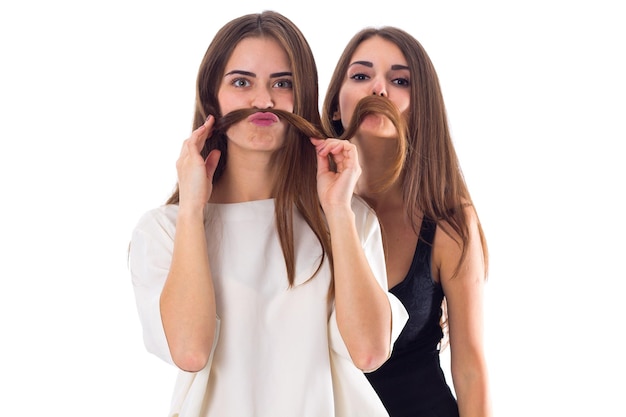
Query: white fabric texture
(278, 351)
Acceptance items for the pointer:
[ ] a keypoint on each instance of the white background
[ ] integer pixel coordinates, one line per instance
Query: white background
(96, 97)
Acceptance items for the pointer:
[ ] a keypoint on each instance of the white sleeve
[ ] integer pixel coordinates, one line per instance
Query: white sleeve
(150, 256)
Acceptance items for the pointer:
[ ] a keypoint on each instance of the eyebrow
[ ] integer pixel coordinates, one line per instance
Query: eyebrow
(364, 63)
(370, 65)
(251, 74)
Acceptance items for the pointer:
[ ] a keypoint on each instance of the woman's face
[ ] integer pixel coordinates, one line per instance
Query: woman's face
(376, 67)
(257, 75)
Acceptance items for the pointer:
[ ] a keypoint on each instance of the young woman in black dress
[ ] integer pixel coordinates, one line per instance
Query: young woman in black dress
(435, 248)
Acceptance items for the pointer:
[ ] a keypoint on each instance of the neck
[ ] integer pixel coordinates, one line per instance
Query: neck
(245, 179)
(381, 201)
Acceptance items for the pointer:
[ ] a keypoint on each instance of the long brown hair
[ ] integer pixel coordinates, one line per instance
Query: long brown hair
(432, 181)
(295, 162)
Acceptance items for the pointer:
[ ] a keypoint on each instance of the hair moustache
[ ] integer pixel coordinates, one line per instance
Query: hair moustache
(376, 104)
(382, 105)
(304, 126)
(365, 106)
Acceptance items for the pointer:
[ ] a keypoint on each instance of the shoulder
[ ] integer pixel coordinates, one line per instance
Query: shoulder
(449, 249)
(152, 242)
(363, 212)
(365, 219)
(447, 233)
(361, 208)
(158, 220)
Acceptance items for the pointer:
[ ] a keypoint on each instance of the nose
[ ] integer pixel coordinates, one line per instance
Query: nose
(262, 99)
(379, 88)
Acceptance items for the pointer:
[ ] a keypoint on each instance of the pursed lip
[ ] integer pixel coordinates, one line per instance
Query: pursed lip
(263, 118)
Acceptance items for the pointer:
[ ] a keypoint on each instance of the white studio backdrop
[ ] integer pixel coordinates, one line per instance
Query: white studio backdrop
(96, 98)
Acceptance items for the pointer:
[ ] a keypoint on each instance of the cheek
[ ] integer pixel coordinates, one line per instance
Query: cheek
(403, 102)
(284, 101)
(229, 100)
(287, 107)
(226, 106)
(222, 101)
(346, 107)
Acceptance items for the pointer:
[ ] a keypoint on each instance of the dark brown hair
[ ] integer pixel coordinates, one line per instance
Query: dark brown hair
(295, 162)
(432, 181)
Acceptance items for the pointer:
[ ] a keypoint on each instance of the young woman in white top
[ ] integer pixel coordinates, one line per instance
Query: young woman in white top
(262, 278)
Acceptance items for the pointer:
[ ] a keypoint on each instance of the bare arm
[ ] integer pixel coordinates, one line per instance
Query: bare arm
(464, 294)
(362, 307)
(188, 300)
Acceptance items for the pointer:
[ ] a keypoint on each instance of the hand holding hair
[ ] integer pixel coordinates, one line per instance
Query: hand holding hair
(338, 159)
(195, 174)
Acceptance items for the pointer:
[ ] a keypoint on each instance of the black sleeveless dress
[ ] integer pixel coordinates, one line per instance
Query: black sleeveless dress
(411, 383)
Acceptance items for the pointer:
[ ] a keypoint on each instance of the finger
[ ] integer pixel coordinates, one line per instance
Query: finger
(195, 142)
(323, 163)
(200, 135)
(211, 162)
(318, 143)
(329, 145)
(335, 148)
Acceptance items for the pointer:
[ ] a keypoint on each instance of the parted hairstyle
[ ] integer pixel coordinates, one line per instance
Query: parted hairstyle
(295, 162)
(429, 171)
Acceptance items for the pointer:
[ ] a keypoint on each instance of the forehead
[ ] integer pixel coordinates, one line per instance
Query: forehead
(260, 52)
(377, 49)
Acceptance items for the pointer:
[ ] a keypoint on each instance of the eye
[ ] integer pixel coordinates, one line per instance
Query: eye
(284, 84)
(240, 82)
(359, 77)
(401, 82)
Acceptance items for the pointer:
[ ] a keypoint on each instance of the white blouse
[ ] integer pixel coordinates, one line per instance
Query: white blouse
(278, 350)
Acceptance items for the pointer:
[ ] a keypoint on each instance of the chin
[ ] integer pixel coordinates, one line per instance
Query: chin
(379, 132)
(378, 125)
(264, 143)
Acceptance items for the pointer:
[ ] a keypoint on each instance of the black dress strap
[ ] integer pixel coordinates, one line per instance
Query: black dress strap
(427, 230)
